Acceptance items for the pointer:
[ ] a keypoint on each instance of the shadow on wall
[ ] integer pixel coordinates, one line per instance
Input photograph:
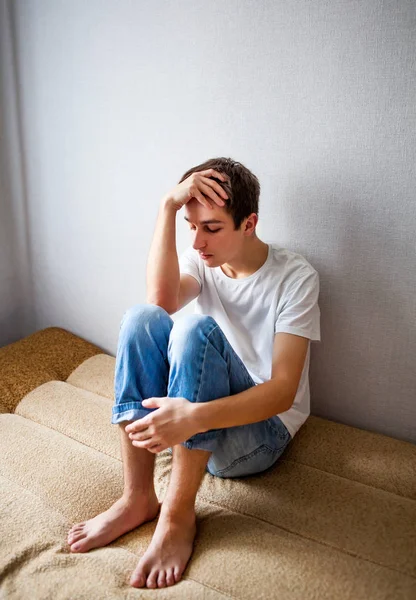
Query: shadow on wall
(362, 373)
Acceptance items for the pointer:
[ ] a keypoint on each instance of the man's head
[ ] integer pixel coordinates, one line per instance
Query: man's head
(243, 188)
(238, 216)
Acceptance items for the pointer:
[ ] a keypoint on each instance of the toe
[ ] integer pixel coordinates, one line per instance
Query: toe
(161, 580)
(177, 574)
(170, 580)
(152, 580)
(137, 581)
(80, 545)
(138, 578)
(74, 530)
(77, 536)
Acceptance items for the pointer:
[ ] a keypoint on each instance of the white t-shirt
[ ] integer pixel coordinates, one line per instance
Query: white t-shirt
(280, 296)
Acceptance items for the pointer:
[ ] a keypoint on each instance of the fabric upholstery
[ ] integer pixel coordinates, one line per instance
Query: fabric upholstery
(334, 518)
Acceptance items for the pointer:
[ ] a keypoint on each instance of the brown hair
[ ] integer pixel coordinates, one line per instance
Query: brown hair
(243, 187)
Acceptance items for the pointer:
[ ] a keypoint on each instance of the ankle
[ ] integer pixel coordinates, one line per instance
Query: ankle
(175, 512)
(135, 497)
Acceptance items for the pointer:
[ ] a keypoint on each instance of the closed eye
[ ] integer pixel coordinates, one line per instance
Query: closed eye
(208, 229)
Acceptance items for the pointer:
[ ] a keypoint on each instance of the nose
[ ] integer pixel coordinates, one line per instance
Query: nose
(199, 243)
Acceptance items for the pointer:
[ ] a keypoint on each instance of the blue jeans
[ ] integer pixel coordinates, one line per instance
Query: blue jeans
(191, 358)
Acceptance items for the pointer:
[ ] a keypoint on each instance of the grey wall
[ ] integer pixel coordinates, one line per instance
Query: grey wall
(118, 99)
(16, 302)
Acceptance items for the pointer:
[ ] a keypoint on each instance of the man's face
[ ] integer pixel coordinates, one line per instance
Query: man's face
(219, 239)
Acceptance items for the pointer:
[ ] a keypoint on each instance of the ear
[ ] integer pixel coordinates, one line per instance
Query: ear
(251, 223)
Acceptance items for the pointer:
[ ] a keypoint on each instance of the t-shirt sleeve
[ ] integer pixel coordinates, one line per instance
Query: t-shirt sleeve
(300, 312)
(189, 264)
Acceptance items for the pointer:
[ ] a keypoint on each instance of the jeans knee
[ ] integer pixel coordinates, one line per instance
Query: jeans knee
(140, 315)
(190, 327)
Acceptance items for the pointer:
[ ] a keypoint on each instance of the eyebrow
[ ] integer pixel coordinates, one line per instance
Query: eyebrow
(207, 221)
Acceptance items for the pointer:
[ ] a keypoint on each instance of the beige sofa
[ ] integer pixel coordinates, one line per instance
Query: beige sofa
(334, 518)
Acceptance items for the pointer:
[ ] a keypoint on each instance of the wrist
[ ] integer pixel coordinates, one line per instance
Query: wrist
(199, 416)
(167, 203)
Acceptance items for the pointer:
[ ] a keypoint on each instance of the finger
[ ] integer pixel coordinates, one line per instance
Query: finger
(146, 444)
(140, 435)
(214, 173)
(137, 437)
(204, 201)
(140, 427)
(137, 444)
(195, 192)
(208, 191)
(218, 189)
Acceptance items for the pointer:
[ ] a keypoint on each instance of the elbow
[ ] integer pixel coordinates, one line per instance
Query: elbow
(285, 392)
(169, 308)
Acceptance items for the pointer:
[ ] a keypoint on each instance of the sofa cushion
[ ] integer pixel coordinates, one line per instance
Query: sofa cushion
(335, 517)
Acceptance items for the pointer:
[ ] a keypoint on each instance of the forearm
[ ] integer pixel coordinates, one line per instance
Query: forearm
(258, 403)
(162, 275)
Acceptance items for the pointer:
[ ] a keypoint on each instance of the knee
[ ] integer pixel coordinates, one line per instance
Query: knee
(190, 327)
(141, 315)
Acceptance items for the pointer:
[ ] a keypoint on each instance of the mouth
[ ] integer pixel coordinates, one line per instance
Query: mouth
(205, 255)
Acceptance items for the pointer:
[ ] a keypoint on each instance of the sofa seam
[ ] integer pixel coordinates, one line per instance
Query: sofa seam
(368, 485)
(310, 539)
(69, 437)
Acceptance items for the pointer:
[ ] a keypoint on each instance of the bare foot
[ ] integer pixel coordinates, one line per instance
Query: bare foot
(121, 517)
(169, 551)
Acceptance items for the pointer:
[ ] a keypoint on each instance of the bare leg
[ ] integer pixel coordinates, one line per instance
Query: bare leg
(137, 505)
(171, 547)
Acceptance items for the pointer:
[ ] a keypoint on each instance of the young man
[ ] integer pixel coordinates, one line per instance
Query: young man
(224, 389)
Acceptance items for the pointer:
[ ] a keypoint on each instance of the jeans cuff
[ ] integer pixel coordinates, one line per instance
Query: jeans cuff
(129, 411)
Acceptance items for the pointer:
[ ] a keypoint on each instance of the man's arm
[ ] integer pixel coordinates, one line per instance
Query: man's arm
(163, 277)
(264, 400)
